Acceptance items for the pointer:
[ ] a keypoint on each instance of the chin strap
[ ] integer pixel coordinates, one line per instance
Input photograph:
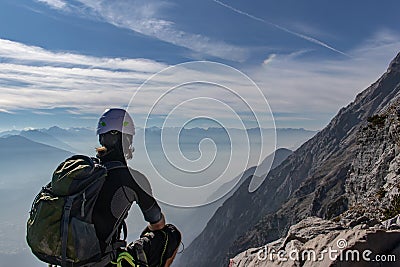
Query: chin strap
(105, 152)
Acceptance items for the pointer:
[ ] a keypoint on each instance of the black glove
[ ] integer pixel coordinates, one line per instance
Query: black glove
(145, 231)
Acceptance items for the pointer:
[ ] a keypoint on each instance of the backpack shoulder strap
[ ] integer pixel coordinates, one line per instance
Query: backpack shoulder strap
(120, 221)
(111, 165)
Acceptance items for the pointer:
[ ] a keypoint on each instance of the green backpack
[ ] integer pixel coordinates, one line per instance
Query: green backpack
(60, 229)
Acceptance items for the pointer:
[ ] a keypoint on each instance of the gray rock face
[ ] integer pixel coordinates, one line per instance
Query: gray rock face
(373, 183)
(318, 242)
(334, 171)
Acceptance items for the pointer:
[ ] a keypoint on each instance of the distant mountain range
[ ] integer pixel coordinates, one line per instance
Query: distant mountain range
(84, 140)
(45, 138)
(76, 140)
(28, 158)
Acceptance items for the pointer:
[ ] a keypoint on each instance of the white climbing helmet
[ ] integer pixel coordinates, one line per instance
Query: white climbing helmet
(115, 119)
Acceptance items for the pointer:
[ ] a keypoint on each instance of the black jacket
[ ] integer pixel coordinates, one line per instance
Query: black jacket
(122, 187)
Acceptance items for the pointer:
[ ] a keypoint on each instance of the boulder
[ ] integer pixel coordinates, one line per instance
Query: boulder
(318, 242)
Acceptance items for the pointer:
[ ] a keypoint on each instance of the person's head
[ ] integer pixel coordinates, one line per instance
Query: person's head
(116, 130)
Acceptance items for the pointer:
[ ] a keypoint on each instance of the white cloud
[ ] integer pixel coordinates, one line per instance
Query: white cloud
(31, 55)
(57, 4)
(143, 16)
(311, 91)
(2, 110)
(269, 59)
(35, 78)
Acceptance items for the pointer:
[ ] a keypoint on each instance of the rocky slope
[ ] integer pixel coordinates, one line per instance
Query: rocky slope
(318, 242)
(321, 179)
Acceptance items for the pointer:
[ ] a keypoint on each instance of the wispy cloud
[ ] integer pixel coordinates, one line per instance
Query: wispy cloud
(143, 16)
(300, 35)
(33, 55)
(2, 110)
(34, 78)
(269, 59)
(314, 88)
(38, 112)
(37, 79)
(57, 4)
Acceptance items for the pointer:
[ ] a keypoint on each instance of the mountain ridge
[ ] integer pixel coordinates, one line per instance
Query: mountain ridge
(311, 181)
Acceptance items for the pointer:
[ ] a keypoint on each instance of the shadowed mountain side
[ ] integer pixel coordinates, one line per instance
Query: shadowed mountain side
(77, 139)
(269, 163)
(309, 182)
(25, 167)
(22, 160)
(193, 220)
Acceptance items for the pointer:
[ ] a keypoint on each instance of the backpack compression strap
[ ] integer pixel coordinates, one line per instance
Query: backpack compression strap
(67, 211)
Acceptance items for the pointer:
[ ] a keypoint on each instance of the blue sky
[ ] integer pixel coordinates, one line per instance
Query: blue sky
(63, 62)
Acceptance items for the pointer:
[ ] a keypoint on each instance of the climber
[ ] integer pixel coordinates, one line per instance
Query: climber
(123, 186)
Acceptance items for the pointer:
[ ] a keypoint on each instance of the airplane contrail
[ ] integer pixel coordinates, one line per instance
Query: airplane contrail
(305, 37)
